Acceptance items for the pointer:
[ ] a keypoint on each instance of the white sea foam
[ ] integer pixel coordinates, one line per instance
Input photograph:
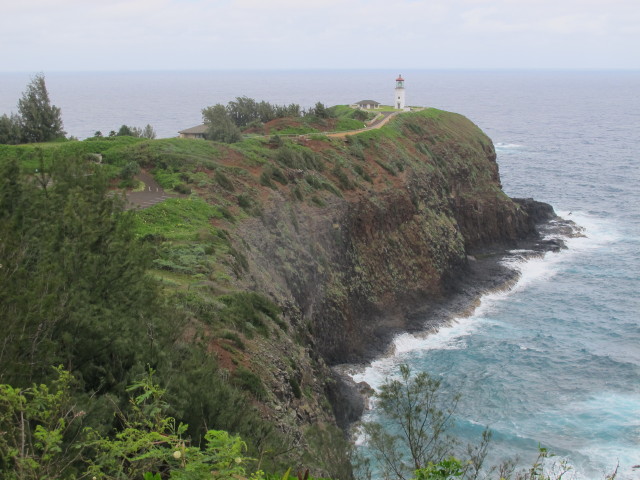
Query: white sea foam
(507, 146)
(534, 269)
(598, 233)
(449, 337)
(531, 270)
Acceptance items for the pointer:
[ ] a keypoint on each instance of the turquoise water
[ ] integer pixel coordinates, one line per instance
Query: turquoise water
(554, 361)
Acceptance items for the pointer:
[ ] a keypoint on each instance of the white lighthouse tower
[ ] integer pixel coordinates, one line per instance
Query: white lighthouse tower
(399, 97)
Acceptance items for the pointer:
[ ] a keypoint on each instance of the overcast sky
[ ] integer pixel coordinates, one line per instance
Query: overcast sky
(73, 35)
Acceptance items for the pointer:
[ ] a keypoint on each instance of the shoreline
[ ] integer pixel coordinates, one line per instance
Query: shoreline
(484, 273)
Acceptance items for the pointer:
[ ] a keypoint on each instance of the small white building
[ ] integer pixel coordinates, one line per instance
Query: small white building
(399, 100)
(194, 132)
(366, 104)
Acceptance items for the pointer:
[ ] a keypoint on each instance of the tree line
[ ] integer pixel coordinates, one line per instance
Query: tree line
(125, 130)
(225, 123)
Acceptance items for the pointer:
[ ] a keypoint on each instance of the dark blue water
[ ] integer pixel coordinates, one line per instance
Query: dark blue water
(555, 361)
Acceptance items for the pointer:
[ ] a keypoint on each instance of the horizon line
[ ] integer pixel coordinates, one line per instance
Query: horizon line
(339, 69)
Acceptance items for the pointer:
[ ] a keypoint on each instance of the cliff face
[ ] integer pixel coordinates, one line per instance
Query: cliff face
(353, 269)
(349, 237)
(298, 254)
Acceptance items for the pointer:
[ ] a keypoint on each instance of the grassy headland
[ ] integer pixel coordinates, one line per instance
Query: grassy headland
(281, 257)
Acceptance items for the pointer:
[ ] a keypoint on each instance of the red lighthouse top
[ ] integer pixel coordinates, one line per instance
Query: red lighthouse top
(399, 79)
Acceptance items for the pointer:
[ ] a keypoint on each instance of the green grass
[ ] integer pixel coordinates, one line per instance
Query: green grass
(255, 150)
(385, 108)
(346, 124)
(112, 149)
(176, 218)
(175, 153)
(342, 110)
(301, 130)
(372, 136)
(249, 311)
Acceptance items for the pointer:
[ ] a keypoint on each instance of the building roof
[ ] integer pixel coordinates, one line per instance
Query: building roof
(195, 130)
(367, 102)
(399, 79)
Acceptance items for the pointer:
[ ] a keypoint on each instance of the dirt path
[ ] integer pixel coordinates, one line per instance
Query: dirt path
(152, 193)
(386, 116)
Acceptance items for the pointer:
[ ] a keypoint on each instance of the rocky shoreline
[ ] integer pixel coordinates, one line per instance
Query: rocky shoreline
(484, 272)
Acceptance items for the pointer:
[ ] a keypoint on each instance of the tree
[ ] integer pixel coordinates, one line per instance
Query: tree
(415, 406)
(243, 110)
(43, 437)
(148, 132)
(72, 276)
(221, 127)
(38, 425)
(39, 120)
(124, 131)
(10, 132)
(320, 111)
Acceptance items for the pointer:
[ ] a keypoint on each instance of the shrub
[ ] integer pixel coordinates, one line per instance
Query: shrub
(249, 381)
(279, 176)
(265, 178)
(344, 181)
(235, 338)
(249, 310)
(223, 181)
(182, 188)
(244, 201)
(295, 387)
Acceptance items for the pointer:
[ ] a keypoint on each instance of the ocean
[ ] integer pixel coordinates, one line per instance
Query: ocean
(555, 361)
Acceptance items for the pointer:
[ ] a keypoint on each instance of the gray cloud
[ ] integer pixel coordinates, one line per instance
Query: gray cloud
(228, 34)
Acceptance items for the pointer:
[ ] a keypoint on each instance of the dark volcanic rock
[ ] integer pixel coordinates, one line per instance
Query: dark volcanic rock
(414, 236)
(345, 397)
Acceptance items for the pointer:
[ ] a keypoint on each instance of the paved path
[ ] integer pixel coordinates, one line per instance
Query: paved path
(377, 123)
(152, 193)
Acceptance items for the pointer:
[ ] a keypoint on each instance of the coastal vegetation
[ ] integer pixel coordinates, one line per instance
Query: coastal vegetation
(197, 335)
(246, 116)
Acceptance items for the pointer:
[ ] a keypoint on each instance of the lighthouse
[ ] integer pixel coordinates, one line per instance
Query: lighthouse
(399, 97)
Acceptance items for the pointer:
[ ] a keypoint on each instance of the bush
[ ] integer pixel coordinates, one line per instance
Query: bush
(245, 309)
(129, 171)
(235, 338)
(265, 179)
(37, 426)
(223, 181)
(249, 381)
(279, 176)
(244, 201)
(295, 387)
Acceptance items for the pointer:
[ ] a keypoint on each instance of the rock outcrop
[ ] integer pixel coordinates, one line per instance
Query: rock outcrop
(354, 269)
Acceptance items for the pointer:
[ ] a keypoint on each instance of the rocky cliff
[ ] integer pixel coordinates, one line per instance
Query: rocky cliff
(417, 197)
(350, 237)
